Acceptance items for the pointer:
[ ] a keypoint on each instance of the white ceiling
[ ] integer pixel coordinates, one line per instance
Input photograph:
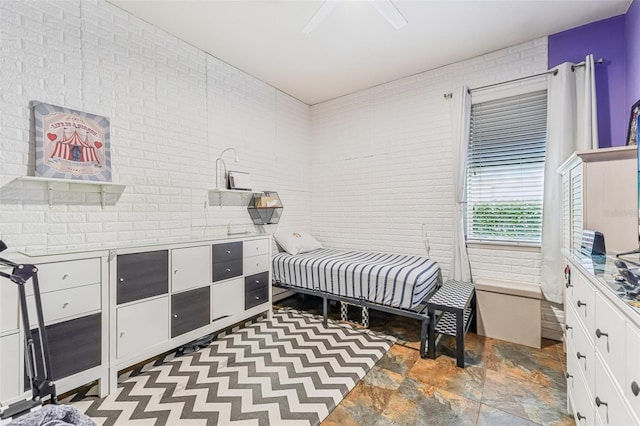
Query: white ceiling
(355, 47)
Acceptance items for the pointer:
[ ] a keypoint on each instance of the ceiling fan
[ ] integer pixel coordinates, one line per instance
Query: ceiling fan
(385, 7)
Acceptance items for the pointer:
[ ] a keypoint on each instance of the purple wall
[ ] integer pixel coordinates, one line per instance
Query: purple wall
(632, 37)
(605, 39)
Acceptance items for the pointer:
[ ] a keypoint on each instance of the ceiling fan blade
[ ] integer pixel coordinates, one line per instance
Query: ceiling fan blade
(320, 15)
(385, 7)
(390, 12)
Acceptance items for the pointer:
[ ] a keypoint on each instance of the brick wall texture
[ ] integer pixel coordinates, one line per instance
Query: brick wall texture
(371, 170)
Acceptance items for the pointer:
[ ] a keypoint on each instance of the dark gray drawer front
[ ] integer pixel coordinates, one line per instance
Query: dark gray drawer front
(142, 275)
(190, 310)
(256, 289)
(74, 346)
(227, 251)
(229, 269)
(256, 281)
(256, 297)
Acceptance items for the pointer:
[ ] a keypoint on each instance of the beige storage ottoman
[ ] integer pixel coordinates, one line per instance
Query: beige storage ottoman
(509, 311)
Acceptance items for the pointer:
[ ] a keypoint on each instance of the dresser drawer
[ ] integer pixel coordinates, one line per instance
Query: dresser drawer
(190, 268)
(9, 302)
(142, 275)
(583, 302)
(9, 366)
(256, 248)
(61, 275)
(609, 337)
(609, 404)
(62, 304)
(255, 264)
(631, 384)
(227, 251)
(190, 310)
(256, 297)
(227, 299)
(141, 325)
(256, 290)
(582, 350)
(579, 397)
(256, 281)
(74, 345)
(228, 269)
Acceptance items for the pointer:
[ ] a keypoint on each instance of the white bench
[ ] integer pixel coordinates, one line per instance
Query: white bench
(509, 311)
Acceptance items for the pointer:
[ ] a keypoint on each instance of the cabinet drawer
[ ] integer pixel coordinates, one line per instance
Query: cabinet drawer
(74, 345)
(62, 275)
(141, 326)
(9, 303)
(583, 301)
(227, 299)
(256, 248)
(256, 297)
(190, 310)
(227, 251)
(61, 304)
(609, 404)
(228, 269)
(256, 264)
(631, 384)
(142, 275)
(256, 281)
(583, 351)
(579, 397)
(610, 326)
(190, 268)
(9, 366)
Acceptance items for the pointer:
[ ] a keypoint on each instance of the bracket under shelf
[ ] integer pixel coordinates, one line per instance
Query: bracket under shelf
(53, 182)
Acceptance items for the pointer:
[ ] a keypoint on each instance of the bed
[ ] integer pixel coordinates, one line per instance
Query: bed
(394, 283)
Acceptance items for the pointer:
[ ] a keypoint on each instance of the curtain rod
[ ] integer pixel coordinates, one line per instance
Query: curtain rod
(554, 72)
(581, 64)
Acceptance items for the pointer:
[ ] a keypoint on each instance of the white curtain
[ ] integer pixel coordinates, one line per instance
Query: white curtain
(571, 126)
(460, 108)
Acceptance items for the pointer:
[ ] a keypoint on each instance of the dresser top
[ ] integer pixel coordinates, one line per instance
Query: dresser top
(132, 245)
(603, 269)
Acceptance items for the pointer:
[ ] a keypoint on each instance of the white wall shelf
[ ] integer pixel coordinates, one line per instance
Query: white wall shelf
(54, 184)
(230, 197)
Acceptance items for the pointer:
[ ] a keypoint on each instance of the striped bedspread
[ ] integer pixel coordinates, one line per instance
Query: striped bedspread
(394, 280)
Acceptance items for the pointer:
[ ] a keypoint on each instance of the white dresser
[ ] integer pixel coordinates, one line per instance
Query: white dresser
(602, 329)
(165, 296)
(74, 294)
(108, 310)
(602, 343)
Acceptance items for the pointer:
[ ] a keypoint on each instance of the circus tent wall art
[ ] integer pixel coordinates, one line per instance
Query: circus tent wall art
(71, 144)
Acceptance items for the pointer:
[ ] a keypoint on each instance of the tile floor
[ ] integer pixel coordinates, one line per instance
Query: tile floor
(502, 384)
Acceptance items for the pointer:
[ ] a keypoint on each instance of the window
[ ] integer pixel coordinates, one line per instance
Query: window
(505, 170)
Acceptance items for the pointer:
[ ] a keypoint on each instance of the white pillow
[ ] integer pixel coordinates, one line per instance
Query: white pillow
(296, 242)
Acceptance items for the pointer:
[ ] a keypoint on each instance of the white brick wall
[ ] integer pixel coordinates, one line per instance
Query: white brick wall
(382, 166)
(172, 109)
(378, 162)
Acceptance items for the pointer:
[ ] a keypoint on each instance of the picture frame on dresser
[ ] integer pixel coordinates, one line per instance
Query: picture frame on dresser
(71, 144)
(632, 130)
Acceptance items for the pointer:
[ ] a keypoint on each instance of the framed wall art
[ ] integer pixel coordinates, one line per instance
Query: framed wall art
(71, 144)
(632, 132)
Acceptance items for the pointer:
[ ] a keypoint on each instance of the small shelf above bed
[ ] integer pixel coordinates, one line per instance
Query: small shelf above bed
(230, 197)
(265, 208)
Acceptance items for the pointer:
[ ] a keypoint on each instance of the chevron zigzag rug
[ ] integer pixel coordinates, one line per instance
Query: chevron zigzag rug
(287, 371)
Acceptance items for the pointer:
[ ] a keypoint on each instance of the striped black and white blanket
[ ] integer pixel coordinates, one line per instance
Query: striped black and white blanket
(396, 280)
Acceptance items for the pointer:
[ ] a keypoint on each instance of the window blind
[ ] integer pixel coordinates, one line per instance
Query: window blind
(505, 169)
